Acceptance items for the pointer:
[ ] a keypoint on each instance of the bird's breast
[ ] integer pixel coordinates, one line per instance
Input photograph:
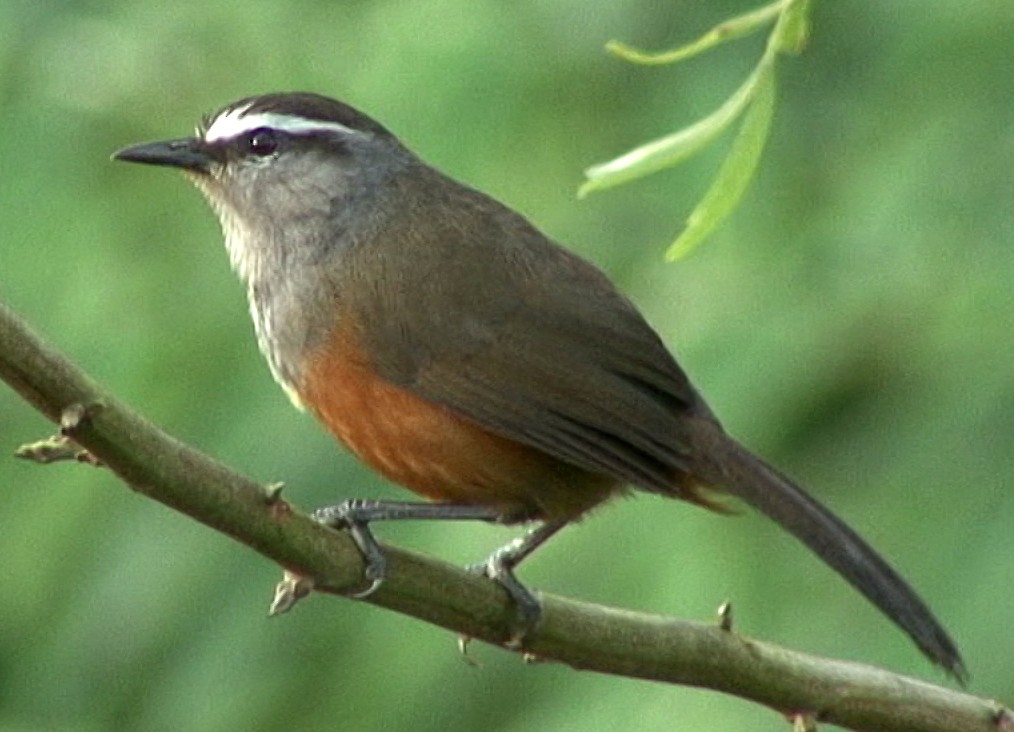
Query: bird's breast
(434, 451)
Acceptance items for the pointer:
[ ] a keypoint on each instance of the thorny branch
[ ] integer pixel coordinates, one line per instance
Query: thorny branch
(95, 427)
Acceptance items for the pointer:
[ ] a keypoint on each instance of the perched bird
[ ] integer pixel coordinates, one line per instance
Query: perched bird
(458, 351)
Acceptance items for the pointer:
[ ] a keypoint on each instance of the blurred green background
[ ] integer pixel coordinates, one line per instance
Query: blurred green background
(853, 322)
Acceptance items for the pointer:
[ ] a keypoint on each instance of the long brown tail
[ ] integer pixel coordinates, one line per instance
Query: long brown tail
(746, 476)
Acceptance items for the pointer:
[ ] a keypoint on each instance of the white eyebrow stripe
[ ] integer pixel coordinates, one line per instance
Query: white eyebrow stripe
(235, 122)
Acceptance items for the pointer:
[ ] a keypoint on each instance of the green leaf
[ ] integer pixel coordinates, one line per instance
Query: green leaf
(737, 170)
(671, 149)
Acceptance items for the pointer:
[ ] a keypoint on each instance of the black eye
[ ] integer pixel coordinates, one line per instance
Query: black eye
(262, 141)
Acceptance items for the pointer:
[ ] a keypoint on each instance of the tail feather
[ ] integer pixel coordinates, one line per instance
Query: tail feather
(752, 480)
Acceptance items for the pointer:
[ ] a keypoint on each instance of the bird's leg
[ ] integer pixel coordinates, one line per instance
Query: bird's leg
(499, 566)
(356, 515)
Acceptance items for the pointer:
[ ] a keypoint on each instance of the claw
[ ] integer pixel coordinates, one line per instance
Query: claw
(499, 568)
(343, 516)
(374, 585)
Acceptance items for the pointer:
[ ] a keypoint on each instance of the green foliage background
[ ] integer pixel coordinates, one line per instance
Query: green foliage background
(853, 322)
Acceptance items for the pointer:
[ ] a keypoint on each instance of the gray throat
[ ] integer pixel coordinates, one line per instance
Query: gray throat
(284, 298)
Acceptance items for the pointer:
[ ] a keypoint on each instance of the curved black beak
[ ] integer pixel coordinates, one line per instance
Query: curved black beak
(189, 153)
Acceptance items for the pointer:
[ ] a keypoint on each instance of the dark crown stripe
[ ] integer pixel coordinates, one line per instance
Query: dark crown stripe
(304, 105)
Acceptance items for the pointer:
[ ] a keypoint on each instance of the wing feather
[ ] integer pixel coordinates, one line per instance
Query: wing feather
(529, 341)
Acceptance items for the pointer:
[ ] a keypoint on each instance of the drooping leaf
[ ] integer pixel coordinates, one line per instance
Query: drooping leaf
(737, 170)
(669, 150)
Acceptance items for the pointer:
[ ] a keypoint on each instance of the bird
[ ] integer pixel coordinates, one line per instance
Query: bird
(458, 351)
